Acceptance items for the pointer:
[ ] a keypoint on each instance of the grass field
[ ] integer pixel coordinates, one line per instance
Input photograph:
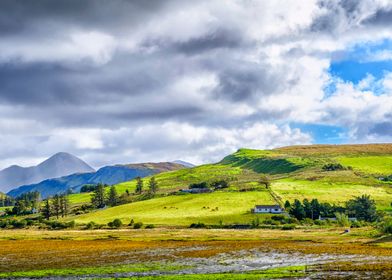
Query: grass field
(296, 173)
(369, 164)
(289, 189)
(180, 179)
(228, 207)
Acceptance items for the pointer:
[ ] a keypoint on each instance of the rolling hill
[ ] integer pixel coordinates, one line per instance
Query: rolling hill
(106, 175)
(295, 172)
(60, 164)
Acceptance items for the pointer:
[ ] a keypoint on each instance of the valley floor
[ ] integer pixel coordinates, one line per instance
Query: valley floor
(170, 253)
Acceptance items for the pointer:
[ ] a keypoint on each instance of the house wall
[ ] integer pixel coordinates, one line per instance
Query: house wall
(268, 210)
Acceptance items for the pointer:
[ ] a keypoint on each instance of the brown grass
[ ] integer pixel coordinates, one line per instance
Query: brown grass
(309, 150)
(64, 249)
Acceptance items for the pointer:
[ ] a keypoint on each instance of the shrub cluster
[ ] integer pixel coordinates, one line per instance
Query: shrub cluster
(335, 167)
(116, 223)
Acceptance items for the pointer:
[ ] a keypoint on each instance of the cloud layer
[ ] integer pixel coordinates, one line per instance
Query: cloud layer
(125, 81)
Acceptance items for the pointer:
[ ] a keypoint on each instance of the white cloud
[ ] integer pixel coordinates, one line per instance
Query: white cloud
(146, 98)
(92, 46)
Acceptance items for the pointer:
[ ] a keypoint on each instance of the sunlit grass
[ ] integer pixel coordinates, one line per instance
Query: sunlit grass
(228, 207)
(369, 164)
(339, 193)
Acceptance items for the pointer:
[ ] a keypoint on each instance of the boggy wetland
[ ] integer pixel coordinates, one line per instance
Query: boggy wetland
(195, 254)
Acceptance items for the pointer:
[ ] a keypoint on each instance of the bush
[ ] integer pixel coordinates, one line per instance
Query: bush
(221, 184)
(386, 226)
(116, 223)
(288, 227)
(278, 217)
(198, 225)
(255, 222)
(308, 221)
(131, 223)
(137, 225)
(333, 167)
(18, 224)
(202, 185)
(59, 225)
(290, 220)
(91, 225)
(3, 223)
(342, 219)
(150, 226)
(356, 224)
(71, 224)
(320, 222)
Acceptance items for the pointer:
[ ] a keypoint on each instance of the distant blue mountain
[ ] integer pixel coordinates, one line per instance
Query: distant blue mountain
(60, 164)
(106, 175)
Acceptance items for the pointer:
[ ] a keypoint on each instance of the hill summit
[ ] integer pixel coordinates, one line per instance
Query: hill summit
(60, 164)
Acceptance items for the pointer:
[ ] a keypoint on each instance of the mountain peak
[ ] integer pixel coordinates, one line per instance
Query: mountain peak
(58, 165)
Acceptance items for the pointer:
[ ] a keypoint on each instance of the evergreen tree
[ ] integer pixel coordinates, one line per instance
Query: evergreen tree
(287, 205)
(98, 196)
(297, 210)
(153, 185)
(363, 207)
(64, 205)
(47, 211)
(307, 208)
(316, 209)
(56, 202)
(139, 185)
(113, 196)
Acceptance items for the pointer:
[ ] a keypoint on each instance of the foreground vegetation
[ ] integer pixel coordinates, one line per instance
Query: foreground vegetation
(125, 253)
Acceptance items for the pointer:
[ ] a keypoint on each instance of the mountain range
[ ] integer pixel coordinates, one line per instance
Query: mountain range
(58, 165)
(106, 175)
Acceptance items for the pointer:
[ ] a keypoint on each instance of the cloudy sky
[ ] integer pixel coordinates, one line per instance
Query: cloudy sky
(130, 81)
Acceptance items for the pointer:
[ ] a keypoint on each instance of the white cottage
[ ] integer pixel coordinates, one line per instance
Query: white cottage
(274, 209)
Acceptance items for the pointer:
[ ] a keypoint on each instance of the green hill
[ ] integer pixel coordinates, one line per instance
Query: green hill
(295, 172)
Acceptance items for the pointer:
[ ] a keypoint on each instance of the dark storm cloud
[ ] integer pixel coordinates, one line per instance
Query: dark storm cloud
(118, 75)
(349, 13)
(346, 11)
(244, 81)
(18, 16)
(214, 40)
(380, 18)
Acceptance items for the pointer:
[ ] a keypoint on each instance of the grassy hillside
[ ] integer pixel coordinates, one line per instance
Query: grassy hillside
(337, 193)
(296, 173)
(369, 164)
(180, 179)
(228, 207)
(337, 150)
(269, 162)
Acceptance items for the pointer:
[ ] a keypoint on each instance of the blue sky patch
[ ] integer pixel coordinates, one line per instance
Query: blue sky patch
(361, 60)
(323, 134)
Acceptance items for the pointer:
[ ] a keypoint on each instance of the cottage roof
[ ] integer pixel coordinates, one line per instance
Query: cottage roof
(268, 206)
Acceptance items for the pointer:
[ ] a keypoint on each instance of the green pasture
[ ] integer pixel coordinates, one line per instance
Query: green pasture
(180, 179)
(369, 164)
(339, 193)
(210, 208)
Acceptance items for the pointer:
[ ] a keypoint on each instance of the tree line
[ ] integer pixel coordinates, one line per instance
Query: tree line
(361, 207)
(24, 204)
(100, 197)
(57, 206)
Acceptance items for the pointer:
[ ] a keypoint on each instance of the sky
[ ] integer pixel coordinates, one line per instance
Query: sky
(134, 81)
